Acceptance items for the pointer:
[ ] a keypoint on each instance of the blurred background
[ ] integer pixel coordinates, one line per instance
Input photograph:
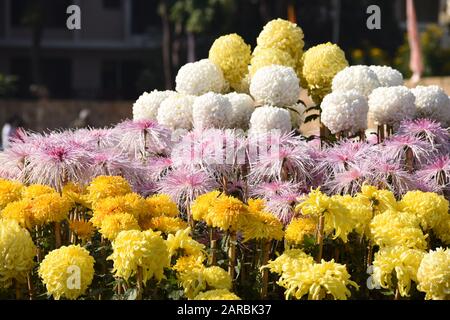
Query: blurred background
(52, 77)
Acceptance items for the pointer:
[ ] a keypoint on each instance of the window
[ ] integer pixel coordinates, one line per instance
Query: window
(112, 4)
(120, 78)
(144, 14)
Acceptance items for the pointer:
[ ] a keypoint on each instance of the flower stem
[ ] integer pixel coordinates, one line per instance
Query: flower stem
(57, 234)
(232, 254)
(139, 284)
(265, 272)
(30, 286)
(320, 237)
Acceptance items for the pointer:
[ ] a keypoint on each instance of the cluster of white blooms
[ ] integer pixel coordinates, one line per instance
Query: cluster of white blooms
(211, 110)
(387, 76)
(344, 111)
(359, 78)
(390, 105)
(275, 85)
(432, 102)
(242, 107)
(267, 118)
(176, 112)
(147, 105)
(197, 78)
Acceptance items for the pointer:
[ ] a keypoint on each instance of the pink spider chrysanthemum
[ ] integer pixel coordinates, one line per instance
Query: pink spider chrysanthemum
(397, 147)
(437, 172)
(349, 181)
(267, 190)
(158, 167)
(282, 206)
(96, 138)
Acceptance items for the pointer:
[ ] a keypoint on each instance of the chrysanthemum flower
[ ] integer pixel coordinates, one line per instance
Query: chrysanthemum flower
(403, 261)
(21, 211)
(269, 56)
(67, 272)
(181, 240)
(107, 186)
(242, 107)
(434, 274)
(83, 229)
(227, 213)
(379, 200)
(436, 172)
(164, 224)
(442, 231)
(175, 112)
(290, 262)
(217, 278)
(50, 207)
(261, 224)
(75, 193)
(17, 252)
(359, 78)
(432, 102)
(185, 263)
(133, 249)
(429, 207)
(232, 55)
(147, 105)
(9, 191)
(319, 66)
(298, 228)
(203, 203)
(36, 190)
(218, 294)
(388, 76)
(211, 110)
(162, 205)
(360, 212)
(112, 225)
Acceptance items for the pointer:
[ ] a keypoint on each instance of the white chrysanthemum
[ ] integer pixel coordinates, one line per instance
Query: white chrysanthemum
(211, 110)
(344, 111)
(388, 76)
(147, 105)
(275, 85)
(200, 77)
(432, 102)
(267, 118)
(297, 113)
(359, 78)
(176, 112)
(242, 107)
(389, 105)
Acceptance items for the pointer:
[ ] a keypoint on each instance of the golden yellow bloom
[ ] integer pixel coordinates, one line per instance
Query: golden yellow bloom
(185, 263)
(133, 249)
(193, 281)
(255, 205)
(261, 225)
(396, 228)
(36, 190)
(403, 261)
(269, 56)
(20, 211)
(107, 186)
(319, 66)
(231, 54)
(182, 240)
(50, 207)
(203, 203)
(162, 205)
(360, 212)
(17, 252)
(217, 278)
(430, 207)
(442, 230)
(67, 272)
(227, 213)
(164, 224)
(290, 262)
(112, 225)
(319, 281)
(76, 193)
(220, 294)
(379, 200)
(434, 274)
(83, 229)
(298, 229)
(9, 191)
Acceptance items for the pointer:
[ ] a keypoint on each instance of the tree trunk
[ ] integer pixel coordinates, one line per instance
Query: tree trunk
(190, 46)
(166, 45)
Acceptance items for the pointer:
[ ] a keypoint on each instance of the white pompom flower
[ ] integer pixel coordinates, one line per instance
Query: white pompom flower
(242, 107)
(147, 105)
(359, 78)
(390, 105)
(267, 118)
(432, 102)
(275, 85)
(388, 76)
(197, 78)
(344, 111)
(211, 110)
(176, 112)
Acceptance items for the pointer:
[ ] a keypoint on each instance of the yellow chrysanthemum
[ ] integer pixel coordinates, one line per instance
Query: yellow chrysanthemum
(269, 56)
(396, 228)
(50, 207)
(433, 274)
(185, 263)
(360, 212)
(9, 191)
(203, 203)
(83, 229)
(319, 66)
(217, 278)
(17, 252)
(290, 262)
(283, 35)
(133, 249)
(442, 230)
(162, 205)
(76, 193)
(67, 272)
(182, 240)
(107, 186)
(112, 225)
(298, 229)
(227, 213)
(232, 55)
(430, 207)
(36, 190)
(20, 211)
(379, 200)
(403, 261)
(261, 225)
(220, 294)
(164, 224)
(255, 205)
(319, 281)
